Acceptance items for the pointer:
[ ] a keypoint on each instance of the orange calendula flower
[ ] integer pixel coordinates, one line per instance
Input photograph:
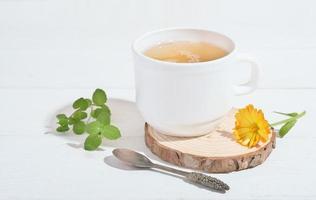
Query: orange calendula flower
(251, 126)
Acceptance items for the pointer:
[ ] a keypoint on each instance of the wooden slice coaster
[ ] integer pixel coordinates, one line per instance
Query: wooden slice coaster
(216, 152)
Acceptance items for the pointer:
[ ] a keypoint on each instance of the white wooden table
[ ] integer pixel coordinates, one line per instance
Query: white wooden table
(53, 51)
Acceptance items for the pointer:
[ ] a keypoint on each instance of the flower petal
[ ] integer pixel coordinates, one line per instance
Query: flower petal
(251, 126)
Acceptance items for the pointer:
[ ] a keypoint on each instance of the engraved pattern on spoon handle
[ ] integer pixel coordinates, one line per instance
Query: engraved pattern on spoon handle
(197, 178)
(207, 181)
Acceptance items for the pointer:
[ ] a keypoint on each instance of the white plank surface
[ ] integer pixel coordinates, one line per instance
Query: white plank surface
(44, 167)
(53, 51)
(35, 165)
(86, 44)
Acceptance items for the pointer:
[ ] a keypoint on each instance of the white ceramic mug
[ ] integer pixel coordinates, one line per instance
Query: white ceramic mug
(186, 99)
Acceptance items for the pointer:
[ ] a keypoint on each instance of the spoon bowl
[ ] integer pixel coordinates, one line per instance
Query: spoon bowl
(132, 158)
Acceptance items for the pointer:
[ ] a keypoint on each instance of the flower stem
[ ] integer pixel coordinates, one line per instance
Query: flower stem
(287, 120)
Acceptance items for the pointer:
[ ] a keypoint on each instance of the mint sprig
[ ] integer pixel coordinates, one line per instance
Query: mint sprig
(288, 123)
(90, 116)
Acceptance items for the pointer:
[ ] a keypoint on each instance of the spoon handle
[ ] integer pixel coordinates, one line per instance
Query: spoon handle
(197, 178)
(169, 169)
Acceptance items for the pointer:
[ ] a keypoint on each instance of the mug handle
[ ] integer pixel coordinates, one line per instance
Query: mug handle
(252, 84)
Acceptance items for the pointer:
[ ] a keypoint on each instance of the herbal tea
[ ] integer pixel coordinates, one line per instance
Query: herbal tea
(185, 52)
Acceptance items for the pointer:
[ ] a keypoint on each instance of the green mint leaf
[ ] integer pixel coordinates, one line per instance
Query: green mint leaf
(106, 109)
(111, 132)
(89, 102)
(287, 127)
(79, 115)
(61, 116)
(99, 97)
(62, 120)
(95, 112)
(81, 103)
(92, 142)
(104, 117)
(72, 120)
(294, 114)
(77, 103)
(94, 127)
(62, 128)
(79, 127)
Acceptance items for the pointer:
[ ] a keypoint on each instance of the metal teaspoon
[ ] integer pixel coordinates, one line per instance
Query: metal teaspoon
(138, 160)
